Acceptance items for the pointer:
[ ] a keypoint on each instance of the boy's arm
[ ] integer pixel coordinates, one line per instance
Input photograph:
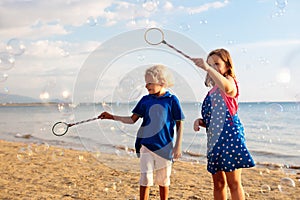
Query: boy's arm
(125, 119)
(178, 143)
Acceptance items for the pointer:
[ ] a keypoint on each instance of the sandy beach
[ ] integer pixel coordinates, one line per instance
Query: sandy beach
(48, 172)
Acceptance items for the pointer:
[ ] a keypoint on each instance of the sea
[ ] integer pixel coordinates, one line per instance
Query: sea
(272, 129)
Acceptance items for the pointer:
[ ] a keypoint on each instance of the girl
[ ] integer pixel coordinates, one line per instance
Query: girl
(227, 153)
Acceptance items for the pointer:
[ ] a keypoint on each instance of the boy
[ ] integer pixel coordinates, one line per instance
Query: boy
(161, 112)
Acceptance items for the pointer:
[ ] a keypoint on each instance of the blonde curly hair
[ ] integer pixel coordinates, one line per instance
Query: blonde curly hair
(161, 75)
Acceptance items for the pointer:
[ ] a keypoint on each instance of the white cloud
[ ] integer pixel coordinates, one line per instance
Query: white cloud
(207, 6)
(52, 49)
(168, 6)
(75, 13)
(28, 32)
(41, 19)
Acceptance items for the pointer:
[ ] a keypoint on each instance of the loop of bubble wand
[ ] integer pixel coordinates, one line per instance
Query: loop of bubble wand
(61, 128)
(163, 41)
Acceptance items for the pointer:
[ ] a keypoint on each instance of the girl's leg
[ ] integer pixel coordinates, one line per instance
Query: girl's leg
(164, 192)
(144, 192)
(234, 182)
(219, 180)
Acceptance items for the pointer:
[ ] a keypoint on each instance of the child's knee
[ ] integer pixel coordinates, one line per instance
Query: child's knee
(146, 179)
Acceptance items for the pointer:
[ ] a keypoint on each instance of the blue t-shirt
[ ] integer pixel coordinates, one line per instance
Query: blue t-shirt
(159, 119)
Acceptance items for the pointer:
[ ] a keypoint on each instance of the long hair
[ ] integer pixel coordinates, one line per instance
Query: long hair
(225, 56)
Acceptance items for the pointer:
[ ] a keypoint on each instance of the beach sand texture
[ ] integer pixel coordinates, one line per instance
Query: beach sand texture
(43, 172)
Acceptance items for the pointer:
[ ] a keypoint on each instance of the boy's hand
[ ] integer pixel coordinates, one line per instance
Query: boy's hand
(177, 153)
(105, 115)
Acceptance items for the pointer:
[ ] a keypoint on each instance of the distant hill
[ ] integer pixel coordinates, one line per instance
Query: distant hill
(14, 98)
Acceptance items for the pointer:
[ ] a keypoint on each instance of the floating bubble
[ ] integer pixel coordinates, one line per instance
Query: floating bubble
(91, 21)
(65, 108)
(81, 158)
(297, 98)
(24, 154)
(96, 153)
(150, 5)
(244, 50)
(286, 185)
(230, 42)
(113, 186)
(58, 155)
(136, 93)
(273, 110)
(281, 4)
(71, 185)
(7, 61)
(126, 85)
(64, 53)
(66, 94)
(203, 22)
(264, 128)
(184, 27)
(265, 189)
(141, 57)
(263, 60)
(105, 190)
(106, 103)
(42, 148)
(15, 47)
(4, 92)
(44, 96)
(3, 77)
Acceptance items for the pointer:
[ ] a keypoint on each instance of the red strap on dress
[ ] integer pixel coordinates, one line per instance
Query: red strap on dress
(231, 102)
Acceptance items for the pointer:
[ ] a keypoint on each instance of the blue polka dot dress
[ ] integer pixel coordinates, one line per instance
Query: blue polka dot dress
(226, 148)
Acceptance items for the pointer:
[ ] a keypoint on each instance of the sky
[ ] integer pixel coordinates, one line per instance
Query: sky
(95, 50)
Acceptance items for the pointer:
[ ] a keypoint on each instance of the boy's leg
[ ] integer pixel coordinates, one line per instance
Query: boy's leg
(146, 176)
(144, 192)
(162, 178)
(164, 192)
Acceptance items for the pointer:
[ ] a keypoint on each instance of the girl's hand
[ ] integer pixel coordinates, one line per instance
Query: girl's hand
(199, 62)
(197, 125)
(105, 115)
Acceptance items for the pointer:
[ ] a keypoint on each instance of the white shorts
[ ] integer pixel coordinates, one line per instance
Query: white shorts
(150, 162)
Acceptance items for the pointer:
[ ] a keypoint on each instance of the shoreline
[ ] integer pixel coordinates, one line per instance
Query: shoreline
(54, 103)
(187, 155)
(51, 172)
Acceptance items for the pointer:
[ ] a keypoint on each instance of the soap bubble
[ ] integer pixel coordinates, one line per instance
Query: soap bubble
(3, 77)
(44, 95)
(150, 5)
(66, 94)
(25, 154)
(264, 189)
(42, 148)
(273, 110)
(184, 27)
(7, 61)
(281, 4)
(286, 185)
(58, 155)
(15, 47)
(91, 21)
